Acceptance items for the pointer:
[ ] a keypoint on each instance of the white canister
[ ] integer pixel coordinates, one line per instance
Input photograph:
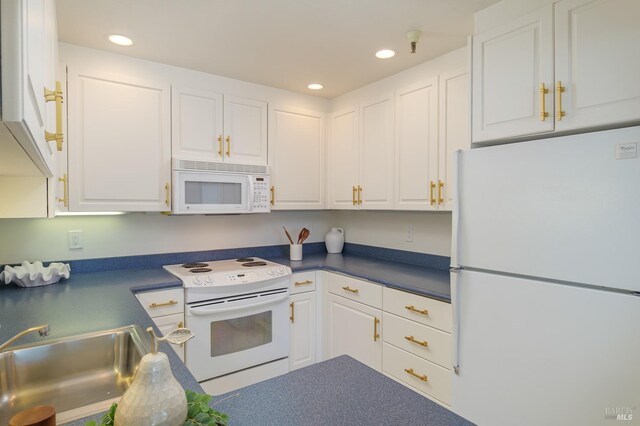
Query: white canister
(295, 251)
(334, 240)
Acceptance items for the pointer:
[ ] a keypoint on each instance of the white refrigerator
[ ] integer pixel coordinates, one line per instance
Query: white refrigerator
(546, 282)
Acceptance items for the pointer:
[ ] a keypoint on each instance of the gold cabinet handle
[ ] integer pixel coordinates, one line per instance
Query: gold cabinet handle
(167, 194)
(228, 146)
(440, 191)
(305, 282)
(293, 314)
(65, 189)
(432, 199)
(413, 309)
(543, 112)
(413, 340)
(422, 377)
(160, 305)
(560, 89)
(50, 96)
(349, 289)
(376, 336)
(220, 146)
(359, 195)
(273, 195)
(353, 195)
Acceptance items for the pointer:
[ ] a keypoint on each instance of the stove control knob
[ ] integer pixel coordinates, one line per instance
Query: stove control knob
(197, 281)
(271, 272)
(209, 279)
(281, 271)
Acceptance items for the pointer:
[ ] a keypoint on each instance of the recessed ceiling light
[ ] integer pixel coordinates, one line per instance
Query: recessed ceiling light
(385, 54)
(120, 40)
(315, 86)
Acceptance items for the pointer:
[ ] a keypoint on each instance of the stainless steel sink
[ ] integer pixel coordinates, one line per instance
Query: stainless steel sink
(79, 375)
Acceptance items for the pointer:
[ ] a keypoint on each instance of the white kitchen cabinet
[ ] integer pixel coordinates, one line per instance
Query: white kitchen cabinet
(196, 118)
(418, 343)
(119, 141)
(416, 147)
(343, 157)
(166, 309)
(560, 68)
(210, 126)
(303, 329)
(595, 62)
(361, 162)
(454, 131)
(297, 158)
(355, 330)
(511, 63)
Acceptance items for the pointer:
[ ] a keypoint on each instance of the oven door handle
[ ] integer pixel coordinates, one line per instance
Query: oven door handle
(204, 311)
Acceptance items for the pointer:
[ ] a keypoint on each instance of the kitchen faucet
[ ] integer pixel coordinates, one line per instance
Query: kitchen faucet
(43, 330)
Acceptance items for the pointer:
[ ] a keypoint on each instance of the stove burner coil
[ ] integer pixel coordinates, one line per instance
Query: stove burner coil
(200, 270)
(256, 263)
(194, 265)
(245, 259)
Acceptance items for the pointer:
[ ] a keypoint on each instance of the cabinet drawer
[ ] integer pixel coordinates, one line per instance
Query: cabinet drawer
(167, 324)
(302, 281)
(355, 289)
(421, 340)
(163, 302)
(418, 308)
(423, 375)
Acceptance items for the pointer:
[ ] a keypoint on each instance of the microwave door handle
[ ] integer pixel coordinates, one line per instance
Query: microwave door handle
(205, 311)
(251, 194)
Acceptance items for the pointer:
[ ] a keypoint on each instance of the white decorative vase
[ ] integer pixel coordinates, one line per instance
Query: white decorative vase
(334, 240)
(154, 398)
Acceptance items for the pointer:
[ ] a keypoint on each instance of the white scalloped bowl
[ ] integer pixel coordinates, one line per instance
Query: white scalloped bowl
(35, 274)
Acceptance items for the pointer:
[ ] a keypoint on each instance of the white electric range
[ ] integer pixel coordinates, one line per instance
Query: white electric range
(238, 311)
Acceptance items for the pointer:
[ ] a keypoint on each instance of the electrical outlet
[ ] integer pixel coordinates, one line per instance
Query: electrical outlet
(409, 236)
(75, 239)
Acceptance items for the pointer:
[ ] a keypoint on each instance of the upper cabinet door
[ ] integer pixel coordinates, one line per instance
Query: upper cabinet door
(376, 154)
(297, 158)
(196, 124)
(510, 65)
(245, 128)
(597, 62)
(454, 130)
(416, 155)
(343, 152)
(119, 142)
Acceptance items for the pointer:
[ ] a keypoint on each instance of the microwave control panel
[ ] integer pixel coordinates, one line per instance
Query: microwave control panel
(261, 194)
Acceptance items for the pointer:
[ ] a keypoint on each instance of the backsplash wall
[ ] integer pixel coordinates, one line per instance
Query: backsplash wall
(138, 233)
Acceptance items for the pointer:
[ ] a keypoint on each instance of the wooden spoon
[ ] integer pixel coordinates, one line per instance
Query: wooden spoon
(304, 234)
(288, 236)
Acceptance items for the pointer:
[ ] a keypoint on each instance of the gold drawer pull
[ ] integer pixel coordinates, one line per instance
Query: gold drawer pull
(414, 309)
(273, 195)
(359, 195)
(560, 89)
(413, 340)
(414, 374)
(352, 290)
(228, 146)
(432, 199)
(160, 305)
(306, 282)
(220, 146)
(65, 188)
(376, 335)
(440, 191)
(292, 318)
(354, 190)
(181, 325)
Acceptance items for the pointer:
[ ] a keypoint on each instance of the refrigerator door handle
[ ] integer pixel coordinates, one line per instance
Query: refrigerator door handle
(455, 266)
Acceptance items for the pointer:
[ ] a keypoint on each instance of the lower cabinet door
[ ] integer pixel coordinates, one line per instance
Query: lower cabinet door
(355, 330)
(303, 330)
(167, 324)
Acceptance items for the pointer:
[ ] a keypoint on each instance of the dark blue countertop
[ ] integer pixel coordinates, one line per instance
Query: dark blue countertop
(434, 283)
(340, 391)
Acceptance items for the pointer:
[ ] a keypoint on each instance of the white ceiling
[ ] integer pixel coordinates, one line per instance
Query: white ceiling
(279, 43)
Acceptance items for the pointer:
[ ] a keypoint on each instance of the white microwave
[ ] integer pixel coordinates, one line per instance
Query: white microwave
(201, 187)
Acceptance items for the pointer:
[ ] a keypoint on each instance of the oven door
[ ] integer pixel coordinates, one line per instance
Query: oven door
(208, 192)
(237, 333)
